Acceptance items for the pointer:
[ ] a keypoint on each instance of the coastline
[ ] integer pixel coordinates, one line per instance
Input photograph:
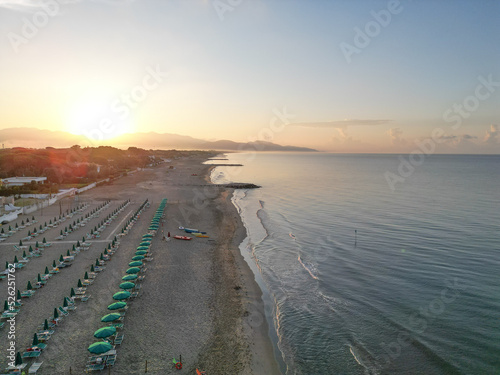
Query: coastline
(246, 307)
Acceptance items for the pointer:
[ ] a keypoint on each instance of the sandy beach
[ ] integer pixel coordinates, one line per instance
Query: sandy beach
(199, 298)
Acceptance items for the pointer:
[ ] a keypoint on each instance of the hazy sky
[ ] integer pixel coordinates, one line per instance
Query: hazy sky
(345, 75)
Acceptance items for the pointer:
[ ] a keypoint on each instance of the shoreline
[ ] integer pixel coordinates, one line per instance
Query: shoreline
(252, 321)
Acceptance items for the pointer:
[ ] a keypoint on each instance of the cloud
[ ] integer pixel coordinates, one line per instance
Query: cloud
(467, 136)
(396, 136)
(340, 124)
(492, 134)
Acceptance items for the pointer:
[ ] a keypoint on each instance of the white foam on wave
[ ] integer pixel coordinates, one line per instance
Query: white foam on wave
(309, 267)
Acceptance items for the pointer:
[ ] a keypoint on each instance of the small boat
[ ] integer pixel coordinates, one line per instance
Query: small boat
(182, 238)
(201, 235)
(188, 230)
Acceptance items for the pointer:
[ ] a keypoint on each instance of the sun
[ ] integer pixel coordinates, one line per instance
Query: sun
(96, 119)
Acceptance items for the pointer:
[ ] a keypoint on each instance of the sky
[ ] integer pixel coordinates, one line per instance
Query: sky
(339, 76)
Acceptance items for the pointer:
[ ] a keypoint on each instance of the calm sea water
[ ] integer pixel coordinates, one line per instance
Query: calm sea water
(360, 279)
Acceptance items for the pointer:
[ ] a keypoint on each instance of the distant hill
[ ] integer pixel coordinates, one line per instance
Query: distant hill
(37, 138)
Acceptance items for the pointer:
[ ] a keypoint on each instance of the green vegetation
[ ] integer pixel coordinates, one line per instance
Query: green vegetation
(75, 166)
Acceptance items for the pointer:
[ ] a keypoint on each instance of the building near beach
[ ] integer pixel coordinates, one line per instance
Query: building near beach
(20, 181)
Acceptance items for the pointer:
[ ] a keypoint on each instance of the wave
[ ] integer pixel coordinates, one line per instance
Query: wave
(310, 268)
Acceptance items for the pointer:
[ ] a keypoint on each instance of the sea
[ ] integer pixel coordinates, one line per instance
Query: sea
(374, 264)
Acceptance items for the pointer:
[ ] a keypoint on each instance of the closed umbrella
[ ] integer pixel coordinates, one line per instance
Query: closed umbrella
(35, 340)
(61, 259)
(92, 269)
(80, 285)
(86, 276)
(65, 302)
(110, 317)
(19, 359)
(39, 278)
(72, 293)
(46, 271)
(56, 314)
(29, 287)
(46, 325)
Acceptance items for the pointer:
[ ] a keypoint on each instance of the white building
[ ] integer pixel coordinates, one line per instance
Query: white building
(19, 181)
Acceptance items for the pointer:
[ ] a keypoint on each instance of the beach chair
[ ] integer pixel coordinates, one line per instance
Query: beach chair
(96, 367)
(2, 324)
(85, 298)
(118, 339)
(32, 354)
(134, 295)
(62, 311)
(35, 367)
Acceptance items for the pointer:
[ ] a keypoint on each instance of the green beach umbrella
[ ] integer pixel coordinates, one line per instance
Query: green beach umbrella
(65, 302)
(133, 270)
(121, 295)
(39, 278)
(138, 257)
(129, 277)
(86, 276)
(127, 285)
(104, 332)
(68, 253)
(102, 256)
(6, 306)
(46, 271)
(110, 317)
(44, 240)
(61, 233)
(35, 340)
(105, 251)
(97, 262)
(17, 226)
(54, 264)
(92, 269)
(56, 314)
(29, 287)
(73, 248)
(37, 245)
(78, 244)
(19, 359)
(61, 259)
(80, 285)
(46, 325)
(142, 248)
(99, 347)
(6, 265)
(109, 246)
(72, 293)
(18, 294)
(2, 231)
(115, 306)
(15, 259)
(20, 243)
(136, 263)
(30, 249)
(24, 254)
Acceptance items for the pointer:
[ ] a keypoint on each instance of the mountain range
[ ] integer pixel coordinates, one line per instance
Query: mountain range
(38, 138)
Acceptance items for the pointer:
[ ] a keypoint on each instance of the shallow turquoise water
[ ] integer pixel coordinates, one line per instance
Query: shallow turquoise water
(361, 279)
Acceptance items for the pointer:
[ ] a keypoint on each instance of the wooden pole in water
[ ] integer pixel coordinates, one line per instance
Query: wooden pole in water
(70, 370)
(146, 366)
